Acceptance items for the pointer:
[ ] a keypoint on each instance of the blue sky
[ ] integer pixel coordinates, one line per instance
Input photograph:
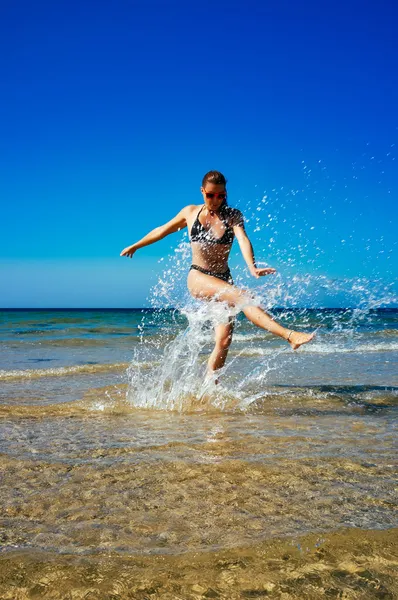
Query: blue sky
(112, 113)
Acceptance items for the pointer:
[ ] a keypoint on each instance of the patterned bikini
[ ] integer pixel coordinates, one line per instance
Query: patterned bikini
(204, 236)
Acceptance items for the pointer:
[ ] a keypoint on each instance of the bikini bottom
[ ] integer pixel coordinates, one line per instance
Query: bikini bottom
(226, 276)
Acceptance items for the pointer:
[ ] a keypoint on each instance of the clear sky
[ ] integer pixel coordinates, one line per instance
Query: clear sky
(111, 112)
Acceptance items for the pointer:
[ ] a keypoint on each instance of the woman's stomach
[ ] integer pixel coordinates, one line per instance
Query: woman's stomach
(213, 257)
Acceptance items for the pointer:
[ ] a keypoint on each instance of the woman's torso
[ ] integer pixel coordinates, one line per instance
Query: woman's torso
(211, 238)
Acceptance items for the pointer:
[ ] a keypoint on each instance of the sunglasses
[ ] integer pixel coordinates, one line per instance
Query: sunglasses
(211, 195)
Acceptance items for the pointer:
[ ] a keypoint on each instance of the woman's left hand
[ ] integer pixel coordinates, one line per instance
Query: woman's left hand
(260, 272)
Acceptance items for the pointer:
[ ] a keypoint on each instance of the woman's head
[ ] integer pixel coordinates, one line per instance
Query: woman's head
(214, 190)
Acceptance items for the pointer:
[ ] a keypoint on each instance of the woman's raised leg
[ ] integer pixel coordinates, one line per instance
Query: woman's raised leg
(259, 317)
(207, 287)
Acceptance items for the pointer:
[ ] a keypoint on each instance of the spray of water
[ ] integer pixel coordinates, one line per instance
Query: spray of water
(168, 370)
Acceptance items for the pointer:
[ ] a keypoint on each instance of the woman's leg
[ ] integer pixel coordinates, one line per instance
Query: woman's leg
(208, 287)
(223, 341)
(259, 317)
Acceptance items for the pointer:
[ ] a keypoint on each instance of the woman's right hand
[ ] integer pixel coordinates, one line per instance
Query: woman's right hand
(129, 251)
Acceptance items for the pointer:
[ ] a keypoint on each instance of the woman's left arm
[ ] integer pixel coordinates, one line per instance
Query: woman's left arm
(247, 249)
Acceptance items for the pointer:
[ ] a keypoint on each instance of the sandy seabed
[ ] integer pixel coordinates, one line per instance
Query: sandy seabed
(349, 564)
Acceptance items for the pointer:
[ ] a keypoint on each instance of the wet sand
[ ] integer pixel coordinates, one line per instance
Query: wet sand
(145, 505)
(349, 564)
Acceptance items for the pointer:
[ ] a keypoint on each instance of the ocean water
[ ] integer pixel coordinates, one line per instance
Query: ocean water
(126, 474)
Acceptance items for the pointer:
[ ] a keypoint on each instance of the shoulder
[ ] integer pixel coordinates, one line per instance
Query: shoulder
(190, 209)
(236, 216)
(189, 213)
(235, 212)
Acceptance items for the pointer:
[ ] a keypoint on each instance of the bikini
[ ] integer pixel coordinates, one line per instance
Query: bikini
(205, 236)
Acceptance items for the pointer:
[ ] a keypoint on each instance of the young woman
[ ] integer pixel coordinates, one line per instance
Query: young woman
(212, 228)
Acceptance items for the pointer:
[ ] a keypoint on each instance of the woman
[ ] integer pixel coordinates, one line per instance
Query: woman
(212, 228)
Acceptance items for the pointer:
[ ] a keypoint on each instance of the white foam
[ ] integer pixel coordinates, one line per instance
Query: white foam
(314, 348)
(64, 371)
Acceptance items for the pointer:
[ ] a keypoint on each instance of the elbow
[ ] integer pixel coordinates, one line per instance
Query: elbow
(160, 232)
(246, 243)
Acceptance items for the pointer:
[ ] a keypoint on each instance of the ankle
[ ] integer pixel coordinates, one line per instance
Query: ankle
(289, 335)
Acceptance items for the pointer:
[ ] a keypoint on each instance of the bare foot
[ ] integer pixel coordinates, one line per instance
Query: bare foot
(297, 339)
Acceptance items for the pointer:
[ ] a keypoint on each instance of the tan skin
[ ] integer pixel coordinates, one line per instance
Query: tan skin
(215, 258)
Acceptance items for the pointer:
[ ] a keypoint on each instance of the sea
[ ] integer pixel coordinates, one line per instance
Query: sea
(127, 473)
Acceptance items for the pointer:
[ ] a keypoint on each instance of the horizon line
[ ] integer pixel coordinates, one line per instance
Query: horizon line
(92, 308)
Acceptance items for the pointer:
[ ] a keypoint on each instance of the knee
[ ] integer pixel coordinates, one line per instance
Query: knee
(224, 342)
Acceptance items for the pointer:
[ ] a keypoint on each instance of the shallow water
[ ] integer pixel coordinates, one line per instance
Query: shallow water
(280, 481)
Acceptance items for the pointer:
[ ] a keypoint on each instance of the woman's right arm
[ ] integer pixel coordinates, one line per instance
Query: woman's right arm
(179, 222)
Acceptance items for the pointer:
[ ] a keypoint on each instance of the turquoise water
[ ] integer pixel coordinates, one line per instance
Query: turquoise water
(58, 355)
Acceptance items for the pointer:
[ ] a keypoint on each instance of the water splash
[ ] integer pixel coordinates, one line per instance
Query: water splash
(177, 338)
(168, 371)
(180, 381)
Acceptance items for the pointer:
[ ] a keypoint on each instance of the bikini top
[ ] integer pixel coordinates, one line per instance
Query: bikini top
(205, 236)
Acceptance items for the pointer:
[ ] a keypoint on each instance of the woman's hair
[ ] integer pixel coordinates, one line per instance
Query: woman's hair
(214, 177)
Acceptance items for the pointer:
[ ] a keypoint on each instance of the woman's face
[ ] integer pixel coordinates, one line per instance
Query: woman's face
(214, 195)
